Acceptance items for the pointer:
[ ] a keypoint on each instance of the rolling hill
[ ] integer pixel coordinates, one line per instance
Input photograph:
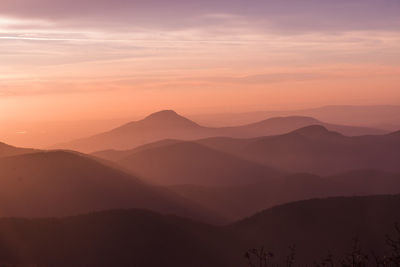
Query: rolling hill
(315, 149)
(60, 183)
(170, 163)
(168, 124)
(213, 182)
(312, 149)
(237, 202)
(318, 227)
(7, 150)
(113, 238)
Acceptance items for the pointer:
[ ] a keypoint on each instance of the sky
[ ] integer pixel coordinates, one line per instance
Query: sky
(104, 59)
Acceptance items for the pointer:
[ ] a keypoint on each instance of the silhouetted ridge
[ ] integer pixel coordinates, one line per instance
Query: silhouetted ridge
(317, 228)
(294, 119)
(185, 162)
(8, 150)
(167, 116)
(163, 114)
(59, 183)
(395, 134)
(167, 120)
(314, 209)
(6, 146)
(315, 131)
(167, 124)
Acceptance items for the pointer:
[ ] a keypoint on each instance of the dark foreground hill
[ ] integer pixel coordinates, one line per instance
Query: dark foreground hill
(141, 238)
(113, 238)
(61, 183)
(323, 226)
(236, 202)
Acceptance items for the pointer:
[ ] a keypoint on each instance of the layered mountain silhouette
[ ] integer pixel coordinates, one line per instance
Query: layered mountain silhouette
(168, 124)
(317, 227)
(231, 189)
(236, 202)
(312, 149)
(146, 196)
(315, 149)
(60, 183)
(382, 116)
(182, 162)
(161, 125)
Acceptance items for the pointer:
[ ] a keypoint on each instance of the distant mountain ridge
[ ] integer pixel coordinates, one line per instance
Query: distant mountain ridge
(315, 149)
(312, 149)
(381, 116)
(192, 163)
(168, 124)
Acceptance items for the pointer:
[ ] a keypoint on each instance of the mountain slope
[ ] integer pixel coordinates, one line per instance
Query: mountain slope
(168, 124)
(236, 202)
(157, 126)
(318, 227)
(317, 150)
(382, 116)
(117, 155)
(59, 183)
(192, 163)
(7, 150)
(114, 238)
(280, 125)
(312, 149)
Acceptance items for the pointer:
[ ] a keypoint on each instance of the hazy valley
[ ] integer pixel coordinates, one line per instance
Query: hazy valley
(221, 190)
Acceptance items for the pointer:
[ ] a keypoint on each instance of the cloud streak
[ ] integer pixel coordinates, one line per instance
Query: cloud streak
(287, 15)
(177, 51)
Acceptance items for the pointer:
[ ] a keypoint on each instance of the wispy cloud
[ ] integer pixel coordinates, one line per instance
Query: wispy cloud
(289, 15)
(54, 48)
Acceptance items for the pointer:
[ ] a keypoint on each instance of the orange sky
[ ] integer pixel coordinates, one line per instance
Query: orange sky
(71, 61)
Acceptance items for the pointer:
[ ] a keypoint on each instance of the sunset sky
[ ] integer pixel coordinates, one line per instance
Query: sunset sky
(75, 59)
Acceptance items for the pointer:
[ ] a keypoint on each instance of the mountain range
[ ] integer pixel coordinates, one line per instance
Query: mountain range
(236, 202)
(312, 149)
(196, 171)
(168, 124)
(173, 162)
(166, 191)
(317, 150)
(193, 180)
(61, 183)
(377, 116)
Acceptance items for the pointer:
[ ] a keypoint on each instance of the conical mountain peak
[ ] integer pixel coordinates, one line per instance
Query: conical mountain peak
(163, 114)
(167, 117)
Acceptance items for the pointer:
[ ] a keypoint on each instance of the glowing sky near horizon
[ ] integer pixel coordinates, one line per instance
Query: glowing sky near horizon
(112, 58)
